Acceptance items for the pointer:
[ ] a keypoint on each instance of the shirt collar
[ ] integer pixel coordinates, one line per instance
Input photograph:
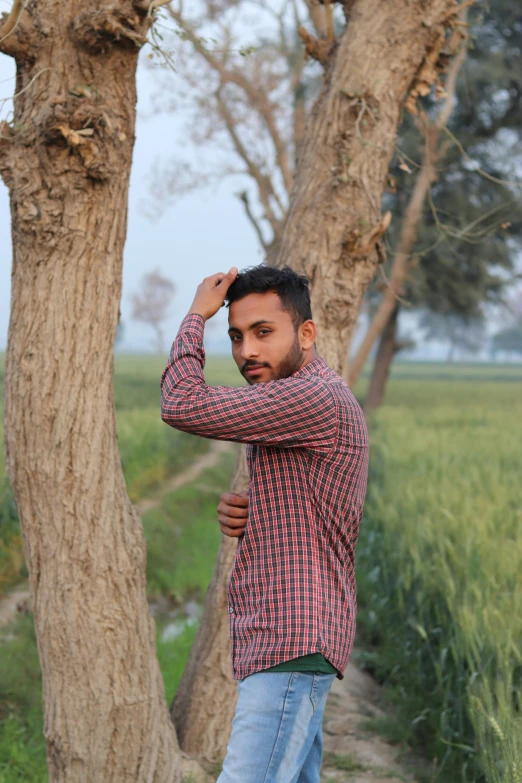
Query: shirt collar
(315, 367)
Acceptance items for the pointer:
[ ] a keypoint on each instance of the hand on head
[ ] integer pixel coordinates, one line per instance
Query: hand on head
(211, 293)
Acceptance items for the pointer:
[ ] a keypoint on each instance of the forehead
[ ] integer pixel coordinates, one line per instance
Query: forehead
(256, 307)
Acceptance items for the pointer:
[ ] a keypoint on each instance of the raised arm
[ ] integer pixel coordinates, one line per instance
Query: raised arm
(291, 412)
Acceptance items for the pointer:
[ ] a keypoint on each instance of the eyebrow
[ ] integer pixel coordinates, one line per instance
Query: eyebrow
(252, 326)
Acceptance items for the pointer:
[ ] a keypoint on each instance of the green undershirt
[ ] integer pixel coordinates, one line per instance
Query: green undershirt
(314, 662)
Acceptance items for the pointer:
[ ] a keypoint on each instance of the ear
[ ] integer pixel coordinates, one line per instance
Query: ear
(307, 334)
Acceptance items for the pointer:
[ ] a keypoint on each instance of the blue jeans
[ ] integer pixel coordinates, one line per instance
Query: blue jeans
(277, 728)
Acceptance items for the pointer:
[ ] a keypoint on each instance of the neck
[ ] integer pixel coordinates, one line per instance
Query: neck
(310, 355)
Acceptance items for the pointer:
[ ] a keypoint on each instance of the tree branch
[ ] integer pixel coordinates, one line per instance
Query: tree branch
(257, 97)
(243, 196)
(317, 17)
(329, 20)
(316, 48)
(19, 44)
(264, 184)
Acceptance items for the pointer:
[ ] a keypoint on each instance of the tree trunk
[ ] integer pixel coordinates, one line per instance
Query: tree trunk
(66, 160)
(334, 225)
(381, 368)
(206, 697)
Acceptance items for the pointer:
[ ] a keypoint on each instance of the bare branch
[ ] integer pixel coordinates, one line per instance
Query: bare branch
(264, 184)
(317, 49)
(12, 19)
(258, 98)
(329, 20)
(317, 17)
(516, 182)
(243, 196)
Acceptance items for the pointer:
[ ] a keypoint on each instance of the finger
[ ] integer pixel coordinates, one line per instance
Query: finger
(241, 506)
(232, 499)
(230, 532)
(231, 521)
(228, 279)
(232, 511)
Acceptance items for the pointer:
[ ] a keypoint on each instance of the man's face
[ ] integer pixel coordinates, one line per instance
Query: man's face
(265, 344)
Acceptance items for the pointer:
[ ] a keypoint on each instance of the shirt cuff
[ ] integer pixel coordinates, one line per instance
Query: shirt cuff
(193, 324)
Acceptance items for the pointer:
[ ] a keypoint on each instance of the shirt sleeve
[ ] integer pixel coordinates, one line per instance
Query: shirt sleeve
(290, 412)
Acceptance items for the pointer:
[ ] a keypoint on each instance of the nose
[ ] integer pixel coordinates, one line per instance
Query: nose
(249, 350)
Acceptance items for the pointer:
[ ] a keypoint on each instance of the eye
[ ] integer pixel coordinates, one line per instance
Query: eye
(233, 337)
(266, 331)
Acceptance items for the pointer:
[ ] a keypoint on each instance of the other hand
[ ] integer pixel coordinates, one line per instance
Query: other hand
(211, 293)
(233, 513)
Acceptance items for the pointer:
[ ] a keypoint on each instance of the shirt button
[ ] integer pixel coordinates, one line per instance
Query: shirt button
(230, 610)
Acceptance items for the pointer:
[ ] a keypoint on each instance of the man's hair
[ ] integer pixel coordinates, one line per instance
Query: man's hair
(292, 289)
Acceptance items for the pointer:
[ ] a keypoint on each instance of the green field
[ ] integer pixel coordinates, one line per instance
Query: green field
(438, 562)
(439, 566)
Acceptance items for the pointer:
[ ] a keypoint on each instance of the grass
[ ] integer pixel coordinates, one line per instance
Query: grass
(438, 564)
(345, 761)
(22, 746)
(183, 536)
(385, 726)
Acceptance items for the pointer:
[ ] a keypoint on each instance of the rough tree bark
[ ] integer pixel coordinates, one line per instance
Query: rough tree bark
(333, 231)
(206, 697)
(66, 160)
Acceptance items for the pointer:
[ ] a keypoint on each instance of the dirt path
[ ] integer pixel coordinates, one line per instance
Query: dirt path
(208, 460)
(18, 599)
(353, 754)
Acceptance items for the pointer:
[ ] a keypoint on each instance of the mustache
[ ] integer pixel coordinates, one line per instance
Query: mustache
(253, 364)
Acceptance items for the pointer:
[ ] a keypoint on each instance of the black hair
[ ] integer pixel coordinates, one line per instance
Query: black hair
(291, 287)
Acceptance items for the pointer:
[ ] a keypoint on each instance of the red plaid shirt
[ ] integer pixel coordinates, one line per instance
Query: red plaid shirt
(291, 591)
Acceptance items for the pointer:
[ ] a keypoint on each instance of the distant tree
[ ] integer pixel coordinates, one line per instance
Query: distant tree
(508, 340)
(470, 232)
(151, 304)
(458, 331)
(389, 344)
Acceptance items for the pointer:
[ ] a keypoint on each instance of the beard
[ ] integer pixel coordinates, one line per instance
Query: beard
(291, 363)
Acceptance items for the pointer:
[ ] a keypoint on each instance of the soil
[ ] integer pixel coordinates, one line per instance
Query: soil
(351, 753)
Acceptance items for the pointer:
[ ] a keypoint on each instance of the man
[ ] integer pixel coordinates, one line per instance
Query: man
(291, 593)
